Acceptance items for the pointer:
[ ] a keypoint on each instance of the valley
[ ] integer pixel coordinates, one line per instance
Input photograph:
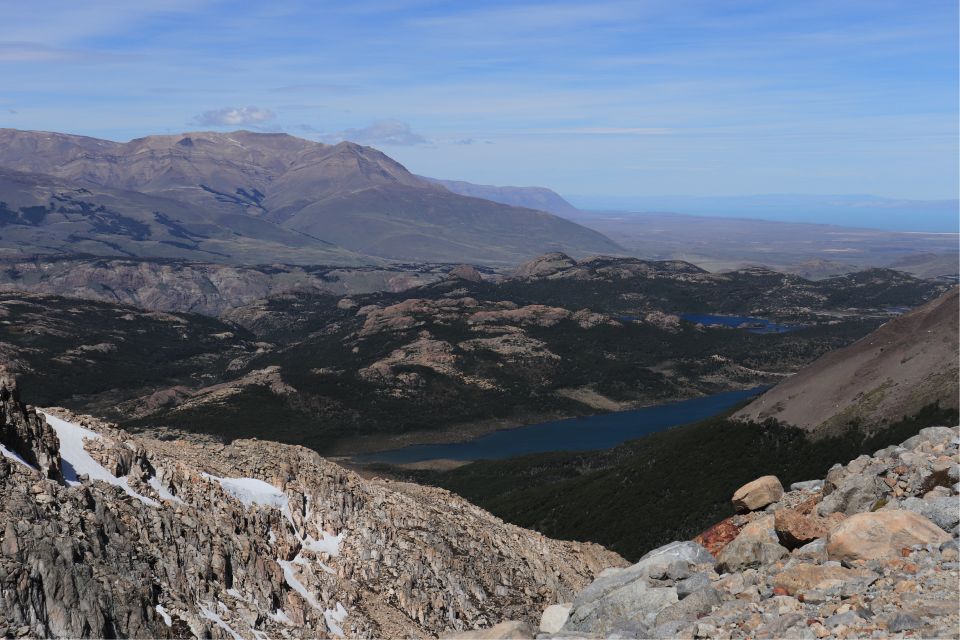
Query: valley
(463, 355)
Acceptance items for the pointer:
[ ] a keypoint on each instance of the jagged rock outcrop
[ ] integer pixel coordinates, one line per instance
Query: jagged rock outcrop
(151, 538)
(882, 570)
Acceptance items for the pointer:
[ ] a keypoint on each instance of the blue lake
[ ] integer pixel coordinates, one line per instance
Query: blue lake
(753, 325)
(575, 434)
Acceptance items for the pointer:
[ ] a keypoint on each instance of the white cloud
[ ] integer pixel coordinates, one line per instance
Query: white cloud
(234, 116)
(388, 132)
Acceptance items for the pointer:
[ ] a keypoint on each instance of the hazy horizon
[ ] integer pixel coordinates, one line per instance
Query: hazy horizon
(614, 98)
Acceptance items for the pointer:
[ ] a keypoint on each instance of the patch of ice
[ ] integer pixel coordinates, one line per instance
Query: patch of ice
(214, 618)
(12, 455)
(76, 461)
(329, 544)
(166, 616)
(251, 491)
(334, 618)
(162, 491)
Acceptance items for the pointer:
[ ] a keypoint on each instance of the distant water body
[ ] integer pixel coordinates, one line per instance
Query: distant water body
(575, 434)
(753, 325)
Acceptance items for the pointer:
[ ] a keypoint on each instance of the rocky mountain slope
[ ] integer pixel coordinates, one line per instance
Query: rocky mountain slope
(539, 198)
(200, 287)
(869, 551)
(906, 364)
(323, 203)
(107, 535)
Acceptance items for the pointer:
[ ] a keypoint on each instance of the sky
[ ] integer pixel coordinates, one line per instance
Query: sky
(601, 98)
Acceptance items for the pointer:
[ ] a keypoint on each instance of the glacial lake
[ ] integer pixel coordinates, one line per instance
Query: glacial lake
(574, 434)
(753, 325)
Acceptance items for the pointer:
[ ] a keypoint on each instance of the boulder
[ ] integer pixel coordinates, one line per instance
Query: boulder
(718, 536)
(795, 529)
(944, 511)
(621, 600)
(554, 617)
(803, 577)
(756, 545)
(881, 534)
(697, 604)
(815, 551)
(807, 485)
(853, 494)
(757, 494)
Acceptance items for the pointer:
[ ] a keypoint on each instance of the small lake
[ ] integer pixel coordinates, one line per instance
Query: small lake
(575, 434)
(753, 325)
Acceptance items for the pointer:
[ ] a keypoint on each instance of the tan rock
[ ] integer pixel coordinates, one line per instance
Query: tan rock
(509, 630)
(757, 494)
(881, 534)
(805, 577)
(796, 529)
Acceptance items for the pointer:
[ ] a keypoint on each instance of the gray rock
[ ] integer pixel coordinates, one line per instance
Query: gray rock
(807, 485)
(849, 618)
(902, 622)
(816, 551)
(620, 602)
(691, 552)
(756, 545)
(854, 494)
(691, 584)
(945, 511)
(933, 435)
(696, 604)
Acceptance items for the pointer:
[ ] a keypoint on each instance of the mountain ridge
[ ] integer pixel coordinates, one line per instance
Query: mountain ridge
(346, 194)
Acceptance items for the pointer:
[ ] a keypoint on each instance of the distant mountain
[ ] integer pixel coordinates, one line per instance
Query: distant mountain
(539, 198)
(273, 196)
(850, 210)
(905, 365)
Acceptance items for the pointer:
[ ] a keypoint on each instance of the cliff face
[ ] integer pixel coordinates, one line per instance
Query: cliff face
(140, 537)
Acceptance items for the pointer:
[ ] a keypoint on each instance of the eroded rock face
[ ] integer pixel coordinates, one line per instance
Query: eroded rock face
(25, 433)
(256, 539)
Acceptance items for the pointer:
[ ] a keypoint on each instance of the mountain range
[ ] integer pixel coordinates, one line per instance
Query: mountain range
(246, 197)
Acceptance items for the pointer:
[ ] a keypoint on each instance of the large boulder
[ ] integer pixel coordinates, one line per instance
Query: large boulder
(697, 604)
(627, 601)
(881, 534)
(756, 545)
(854, 493)
(944, 511)
(757, 494)
(795, 528)
(554, 617)
(805, 577)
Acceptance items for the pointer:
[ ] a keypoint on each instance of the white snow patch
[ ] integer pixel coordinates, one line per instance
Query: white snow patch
(236, 594)
(213, 617)
(335, 618)
(12, 455)
(329, 544)
(166, 616)
(291, 577)
(280, 616)
(252, 491)
(76, 461)
(162, 491)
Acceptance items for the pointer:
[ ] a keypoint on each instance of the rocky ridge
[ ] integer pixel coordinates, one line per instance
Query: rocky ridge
(871, 551)
(148, 538)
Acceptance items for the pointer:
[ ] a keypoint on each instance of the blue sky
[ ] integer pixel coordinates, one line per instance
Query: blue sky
(605, 97)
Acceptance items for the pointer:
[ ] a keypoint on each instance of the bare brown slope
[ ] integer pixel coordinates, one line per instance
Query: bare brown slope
(904, 365)
(346, 194)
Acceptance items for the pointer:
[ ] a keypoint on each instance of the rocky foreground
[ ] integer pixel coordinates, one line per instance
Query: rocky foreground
(106, 535)
(871, 551)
